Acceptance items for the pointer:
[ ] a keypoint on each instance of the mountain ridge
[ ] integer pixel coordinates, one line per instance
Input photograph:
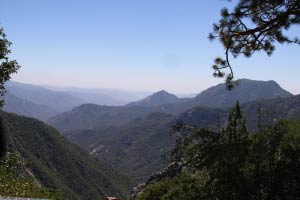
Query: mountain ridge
(247, 90)
(42, 96)
(60, 165)
(156, 99)
(90, 116)
(23, 107)
(121, 146)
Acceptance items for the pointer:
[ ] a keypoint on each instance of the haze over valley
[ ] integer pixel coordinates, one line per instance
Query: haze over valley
(133, 136)
(150, 100)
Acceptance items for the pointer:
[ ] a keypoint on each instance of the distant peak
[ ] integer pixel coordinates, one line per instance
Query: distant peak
(255, 81)
(158, 98)
(162, 92)
(272, 81)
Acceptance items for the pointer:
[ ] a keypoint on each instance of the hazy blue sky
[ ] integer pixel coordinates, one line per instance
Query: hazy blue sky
(130, 44)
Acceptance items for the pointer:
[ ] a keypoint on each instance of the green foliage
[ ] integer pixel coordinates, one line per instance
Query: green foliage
(7, 66)
(135, 149)
(184, 186)
(16, 182)
(253, 26)
(237, 165)
(58, 164)
(276, 161)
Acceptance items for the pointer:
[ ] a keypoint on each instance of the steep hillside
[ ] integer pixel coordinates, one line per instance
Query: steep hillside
(270, 111)
(91, 116)
(20, 106)
(157, 99)
(204, 117)
(60, 101)
(137, 148)
(120, 134)
(56, 163)
(247, 90)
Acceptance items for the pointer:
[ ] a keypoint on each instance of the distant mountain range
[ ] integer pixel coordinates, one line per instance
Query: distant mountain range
(39, 95)
(121, 96)
(133, 137)
(96, 98)
(42, 103)
(136, 148)
(219, 96)
(23, 107)
(91, 116)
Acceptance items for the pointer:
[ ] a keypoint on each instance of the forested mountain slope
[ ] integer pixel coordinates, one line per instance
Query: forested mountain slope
(58, 164)
(137, 148)
(270, 111)
(247, 90)
(91, 116)
(133, 137)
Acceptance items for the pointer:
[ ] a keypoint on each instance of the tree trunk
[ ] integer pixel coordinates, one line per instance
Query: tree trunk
(2, 140)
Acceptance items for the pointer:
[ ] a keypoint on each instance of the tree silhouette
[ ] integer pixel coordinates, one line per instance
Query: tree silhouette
(7, 67)
(252, 26)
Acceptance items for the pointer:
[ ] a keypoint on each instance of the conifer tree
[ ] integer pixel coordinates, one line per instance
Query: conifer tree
(227, 172)
(233, 164)
(7, 67)
(253, 26)
(236, 129)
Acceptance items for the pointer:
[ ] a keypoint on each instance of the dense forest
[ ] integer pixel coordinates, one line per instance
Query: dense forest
(17, 180)
(59, 165)
(232, 163)
(238, 140)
